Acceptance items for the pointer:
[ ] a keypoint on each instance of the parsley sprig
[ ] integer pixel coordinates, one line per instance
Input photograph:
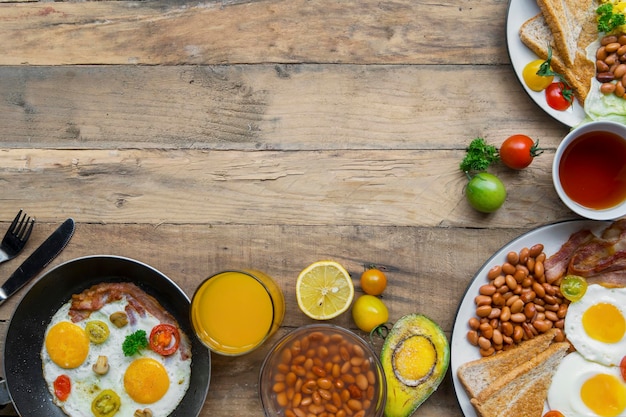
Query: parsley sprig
(479, 156)
(134, 342)
(607, 19)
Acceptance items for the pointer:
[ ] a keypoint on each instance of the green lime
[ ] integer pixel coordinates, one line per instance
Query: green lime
(485, 192)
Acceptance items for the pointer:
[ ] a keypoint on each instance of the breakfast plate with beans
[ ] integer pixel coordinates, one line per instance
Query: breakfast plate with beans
(520, 11)
(485, 323)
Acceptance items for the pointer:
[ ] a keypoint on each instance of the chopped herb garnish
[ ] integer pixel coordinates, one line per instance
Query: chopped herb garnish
(134, 342)
(479, 156)
(607, 19)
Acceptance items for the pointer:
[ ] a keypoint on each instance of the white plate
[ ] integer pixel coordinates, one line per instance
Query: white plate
(519, 12)
(552, 237)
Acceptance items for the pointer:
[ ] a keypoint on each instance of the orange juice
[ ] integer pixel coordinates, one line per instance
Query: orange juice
(234, 312)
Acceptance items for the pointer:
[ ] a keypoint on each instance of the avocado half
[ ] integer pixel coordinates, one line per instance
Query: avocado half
(415, 358)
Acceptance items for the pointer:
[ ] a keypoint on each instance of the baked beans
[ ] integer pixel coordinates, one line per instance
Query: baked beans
(611, 65)
(517, 303)
(324, 374)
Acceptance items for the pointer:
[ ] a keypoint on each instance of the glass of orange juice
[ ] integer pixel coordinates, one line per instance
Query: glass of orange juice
(234, 312)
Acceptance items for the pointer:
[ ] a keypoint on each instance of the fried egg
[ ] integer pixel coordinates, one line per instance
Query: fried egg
(144, 380)
(581, 388)
(596, 324)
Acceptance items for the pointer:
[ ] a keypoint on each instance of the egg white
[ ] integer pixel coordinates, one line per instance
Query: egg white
(86, 384)
(571, 374)
(594, 350)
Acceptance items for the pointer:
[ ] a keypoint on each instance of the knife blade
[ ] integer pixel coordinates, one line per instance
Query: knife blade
(38, 260)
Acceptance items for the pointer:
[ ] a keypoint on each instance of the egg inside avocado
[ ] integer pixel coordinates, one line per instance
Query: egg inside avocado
(415, 358)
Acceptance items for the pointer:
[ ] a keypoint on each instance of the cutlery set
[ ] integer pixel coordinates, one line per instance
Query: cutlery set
(15, 240)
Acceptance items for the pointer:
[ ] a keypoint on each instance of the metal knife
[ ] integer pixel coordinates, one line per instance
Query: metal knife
(38, 260)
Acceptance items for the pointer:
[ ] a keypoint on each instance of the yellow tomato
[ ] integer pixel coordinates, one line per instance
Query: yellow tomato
(533, 80)
(369, 312)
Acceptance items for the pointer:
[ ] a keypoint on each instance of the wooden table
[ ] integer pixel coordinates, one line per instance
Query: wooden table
(197, 137)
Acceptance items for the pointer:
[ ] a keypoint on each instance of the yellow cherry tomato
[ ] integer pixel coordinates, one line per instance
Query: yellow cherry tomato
(533, 80)
(573, 287)
(369, 312)
(106, 404)
(98, 331)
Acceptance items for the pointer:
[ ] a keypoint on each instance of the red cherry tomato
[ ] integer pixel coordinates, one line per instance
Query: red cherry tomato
(622, 367)
(559, 96)
(518, 151)
(62, 387)
(164, 339)
(553, 413)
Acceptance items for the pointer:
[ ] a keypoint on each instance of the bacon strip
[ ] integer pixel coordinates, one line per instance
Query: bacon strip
(615, 279)
(94, 298)
(556, 265)
(601, 254)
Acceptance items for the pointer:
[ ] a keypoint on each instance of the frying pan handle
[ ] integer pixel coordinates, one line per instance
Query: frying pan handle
(4, 394)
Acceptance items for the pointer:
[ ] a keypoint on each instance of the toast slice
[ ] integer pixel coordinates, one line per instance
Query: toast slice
(522, 392)
(538, 37)
(477, 375)
(567, 20)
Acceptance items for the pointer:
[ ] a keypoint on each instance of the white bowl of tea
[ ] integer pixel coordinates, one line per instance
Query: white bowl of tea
(589, 170)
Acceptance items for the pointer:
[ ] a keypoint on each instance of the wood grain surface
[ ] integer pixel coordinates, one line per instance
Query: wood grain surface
(197, 137)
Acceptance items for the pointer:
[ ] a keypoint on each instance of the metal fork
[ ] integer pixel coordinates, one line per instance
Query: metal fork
(15, 238)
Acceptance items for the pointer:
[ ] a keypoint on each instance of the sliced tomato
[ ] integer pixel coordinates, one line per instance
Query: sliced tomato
(622, 367)
(553, 413)
(106, 404)
(164, 339)
(62, 387)
(559, 96)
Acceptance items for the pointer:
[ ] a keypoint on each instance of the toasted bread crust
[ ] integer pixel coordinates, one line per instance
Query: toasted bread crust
(565, 18)
(522, 392)
(477, 375)
(568, 27)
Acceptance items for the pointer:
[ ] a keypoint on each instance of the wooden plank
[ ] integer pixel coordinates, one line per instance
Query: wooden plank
(294, 31)
(258, 107)
(394, 187)
(411, 255)
(416, 259)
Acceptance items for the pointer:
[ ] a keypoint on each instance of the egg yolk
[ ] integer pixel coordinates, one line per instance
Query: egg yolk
(604, 323)
(67, 344)
(146, 380)
(605, 395)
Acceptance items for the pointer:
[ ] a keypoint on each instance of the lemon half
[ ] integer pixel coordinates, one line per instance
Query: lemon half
(324, 290)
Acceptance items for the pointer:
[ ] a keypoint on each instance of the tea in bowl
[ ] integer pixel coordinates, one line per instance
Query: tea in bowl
(589, 170)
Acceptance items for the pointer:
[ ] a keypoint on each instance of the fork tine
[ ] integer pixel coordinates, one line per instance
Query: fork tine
(28, 228)
(15, 220)
(21, 226)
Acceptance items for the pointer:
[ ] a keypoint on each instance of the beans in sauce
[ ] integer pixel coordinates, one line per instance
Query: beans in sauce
(517, 303)
(611, 65)
(322, 374)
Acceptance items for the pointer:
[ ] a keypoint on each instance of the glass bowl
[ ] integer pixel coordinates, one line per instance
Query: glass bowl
(234, 312)
(322, 368)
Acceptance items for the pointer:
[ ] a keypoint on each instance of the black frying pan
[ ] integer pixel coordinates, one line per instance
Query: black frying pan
(22, 361)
